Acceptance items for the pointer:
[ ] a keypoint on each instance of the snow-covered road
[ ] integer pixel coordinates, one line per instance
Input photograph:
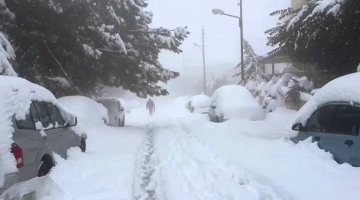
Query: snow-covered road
(175, 155)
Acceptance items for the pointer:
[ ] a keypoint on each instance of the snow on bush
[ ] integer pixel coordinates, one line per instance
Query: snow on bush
(236, 102)
(200, 101)
(345, 88)
(16, 95)
(86, 109)
(6, 53)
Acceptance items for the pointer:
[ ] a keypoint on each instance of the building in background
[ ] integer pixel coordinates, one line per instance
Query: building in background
(297, 3)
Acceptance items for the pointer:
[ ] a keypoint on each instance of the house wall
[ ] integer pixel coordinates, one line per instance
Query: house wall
(298, 3)
(277, 68)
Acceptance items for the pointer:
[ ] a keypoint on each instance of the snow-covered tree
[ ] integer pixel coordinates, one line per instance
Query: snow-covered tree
(79, 46)
(324, 33)
(252, 66)
(215, 83)
(7, 54)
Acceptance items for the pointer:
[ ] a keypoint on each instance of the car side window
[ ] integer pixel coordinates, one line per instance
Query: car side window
(55, 116)
(27, 123)
(346, 120)
(321, 120)
(43, 114)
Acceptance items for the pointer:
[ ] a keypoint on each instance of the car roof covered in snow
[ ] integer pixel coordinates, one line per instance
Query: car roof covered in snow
(201, 100)
(85, 108)
(16, 95)
(342, 89)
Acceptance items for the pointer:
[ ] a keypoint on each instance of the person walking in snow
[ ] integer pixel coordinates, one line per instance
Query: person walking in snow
(150, 106)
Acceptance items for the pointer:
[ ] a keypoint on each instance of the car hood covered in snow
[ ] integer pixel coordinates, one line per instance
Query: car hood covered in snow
(345, 89)
(236, 102)
(16, 95)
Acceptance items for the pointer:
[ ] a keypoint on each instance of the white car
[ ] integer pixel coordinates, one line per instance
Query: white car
(234, 102)
(199, 104)
(115, 110)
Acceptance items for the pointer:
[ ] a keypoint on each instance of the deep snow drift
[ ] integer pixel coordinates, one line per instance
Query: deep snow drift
(178, 155)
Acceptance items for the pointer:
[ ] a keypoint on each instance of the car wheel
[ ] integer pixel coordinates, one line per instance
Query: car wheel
(82, 145)
(44, 169)
(217, 119)
(122, 123)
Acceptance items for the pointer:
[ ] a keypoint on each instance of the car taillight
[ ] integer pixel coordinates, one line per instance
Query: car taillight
(16, 150)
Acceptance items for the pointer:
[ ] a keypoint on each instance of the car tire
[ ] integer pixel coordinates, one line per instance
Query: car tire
(122, 123)
(217, 119)
(44, 169)
(82, 145)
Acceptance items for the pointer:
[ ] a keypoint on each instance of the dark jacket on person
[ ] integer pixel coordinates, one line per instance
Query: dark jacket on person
(150, 105)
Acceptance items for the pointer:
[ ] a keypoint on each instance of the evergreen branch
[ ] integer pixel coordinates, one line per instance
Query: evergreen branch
(66, 75)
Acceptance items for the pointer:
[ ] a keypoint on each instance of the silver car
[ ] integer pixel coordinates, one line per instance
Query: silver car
(33, 145)
(115, 111)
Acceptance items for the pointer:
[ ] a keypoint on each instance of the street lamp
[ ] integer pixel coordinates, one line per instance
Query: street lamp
(203, 54)
(217, 11)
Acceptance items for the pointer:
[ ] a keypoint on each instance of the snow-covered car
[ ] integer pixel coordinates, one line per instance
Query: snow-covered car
(332, 119)
(34, 126)
(86, 109)
(115, 109)
(234, 102)
(125, 105)
(199, 104)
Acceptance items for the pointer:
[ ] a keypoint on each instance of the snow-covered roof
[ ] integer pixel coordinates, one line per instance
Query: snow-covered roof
(16, 95)
(199, 101)
(345, 88)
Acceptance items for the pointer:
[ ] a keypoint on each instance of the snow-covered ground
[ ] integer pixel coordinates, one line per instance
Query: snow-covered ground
(178, 155)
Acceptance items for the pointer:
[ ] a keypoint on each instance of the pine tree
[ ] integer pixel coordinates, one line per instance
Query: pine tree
(81, 46)
(252, 66)
(321, 33)
(7, 54)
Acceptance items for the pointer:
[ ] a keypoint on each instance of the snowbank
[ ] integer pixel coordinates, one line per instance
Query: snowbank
(200, 101)
(16, 95)
(345, 88)
(124, 104)
(236, 102)
(181, 101)
(292, 170)
(86, 109)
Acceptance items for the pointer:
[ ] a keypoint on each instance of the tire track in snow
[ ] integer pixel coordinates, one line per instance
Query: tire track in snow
(259, 186)
(144, 182)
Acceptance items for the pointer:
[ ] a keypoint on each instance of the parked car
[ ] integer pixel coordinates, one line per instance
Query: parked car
(86, 109)
(115, 110)
(234, 102)
(199, 104)
(33, 126)
(332, 119)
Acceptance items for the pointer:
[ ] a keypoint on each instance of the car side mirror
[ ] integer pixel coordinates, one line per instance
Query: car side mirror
(73, 122)
(297, 127)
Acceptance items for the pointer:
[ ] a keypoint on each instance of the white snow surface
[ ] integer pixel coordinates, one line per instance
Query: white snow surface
(236, 102)
(184, 156)
(16, 95)
(345, 88)
(200, 101)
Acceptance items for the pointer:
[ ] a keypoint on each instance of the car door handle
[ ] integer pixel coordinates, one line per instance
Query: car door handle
(348, 143)
(317, 138)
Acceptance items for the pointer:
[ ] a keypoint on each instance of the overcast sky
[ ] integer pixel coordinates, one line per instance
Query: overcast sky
(222, 39)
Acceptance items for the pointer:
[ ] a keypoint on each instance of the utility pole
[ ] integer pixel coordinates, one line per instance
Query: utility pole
(242, 44)
(203, 52)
